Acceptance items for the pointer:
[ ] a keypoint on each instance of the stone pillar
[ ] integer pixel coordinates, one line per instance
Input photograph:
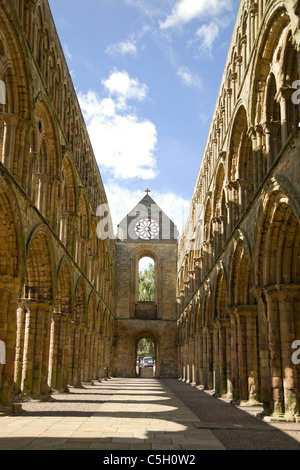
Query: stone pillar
(234, 356)
(61, 354)
(275, 352)
(77, 355)
(197, 359)
(242, 357)
(229, 393)
(54, 333)
(247, 349)
(193, 346)
(36, 349)
(281, 315)
(265, 392)
(216, 358)
(223, 360)
(87, 342)
(284, 97)
(19, 348)
(201, 357)
(9, 139)
(9, 291)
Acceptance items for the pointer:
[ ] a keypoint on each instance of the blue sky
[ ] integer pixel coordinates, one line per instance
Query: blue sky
(147, 74)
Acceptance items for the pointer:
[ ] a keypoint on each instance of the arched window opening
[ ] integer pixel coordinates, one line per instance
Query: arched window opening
(146, 282)
(146, 292)
(273, 129)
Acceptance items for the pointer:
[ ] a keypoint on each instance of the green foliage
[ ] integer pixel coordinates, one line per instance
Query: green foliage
(146, 348)
(147, 284)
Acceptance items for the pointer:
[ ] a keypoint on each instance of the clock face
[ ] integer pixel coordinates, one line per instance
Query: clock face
(147, 229)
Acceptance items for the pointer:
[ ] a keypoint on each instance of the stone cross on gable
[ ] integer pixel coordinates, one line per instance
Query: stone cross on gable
(147, 191)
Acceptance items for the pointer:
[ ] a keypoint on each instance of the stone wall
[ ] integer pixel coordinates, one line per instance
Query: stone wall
(238, 288)
(57, 278)
(129, 329)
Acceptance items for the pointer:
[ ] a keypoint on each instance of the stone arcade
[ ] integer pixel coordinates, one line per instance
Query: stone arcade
(227, 293)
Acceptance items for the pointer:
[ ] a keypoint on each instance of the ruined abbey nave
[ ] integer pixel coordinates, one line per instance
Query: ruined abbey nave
(226, 311)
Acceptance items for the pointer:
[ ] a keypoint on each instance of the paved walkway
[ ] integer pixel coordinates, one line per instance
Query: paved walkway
(141, 414)
(119, 414)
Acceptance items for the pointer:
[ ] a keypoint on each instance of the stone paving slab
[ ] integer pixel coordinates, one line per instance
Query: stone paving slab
(122, 414)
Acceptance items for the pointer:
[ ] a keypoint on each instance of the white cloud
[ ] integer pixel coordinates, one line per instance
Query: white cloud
(188, 78)
(120, 84)
(67, 51)
(124, 144)
(208, 33)
(187, 10)
(127, 47)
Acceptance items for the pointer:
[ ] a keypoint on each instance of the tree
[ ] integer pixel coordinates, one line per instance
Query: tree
(146, 348)
(147, 284)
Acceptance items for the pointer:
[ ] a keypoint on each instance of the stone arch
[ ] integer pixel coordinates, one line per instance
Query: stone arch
(40, 268)
(39, 292)
(278, 277)
(91, 319)
(240, 173)
(244, 325)
(275, 69)
(153, 337)
(206, 308)
(93, 255)
(68, 204)
(222, 337)
(83, 232)
(60, 335)
(12, 246)
(15, 108)
(80, 301)
(78, 335)
(47, 165)
(11, 271)
(136, 255)
(220, 209)
(278, 235)
(64, 291)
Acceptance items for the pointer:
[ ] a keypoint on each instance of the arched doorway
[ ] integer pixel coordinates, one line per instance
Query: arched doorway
(146, 355)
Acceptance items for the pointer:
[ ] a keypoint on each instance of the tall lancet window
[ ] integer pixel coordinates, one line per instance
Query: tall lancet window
(146, 291)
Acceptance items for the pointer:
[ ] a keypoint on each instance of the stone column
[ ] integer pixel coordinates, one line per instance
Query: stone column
(201, 357)
(36, 349)
(61, 353)
(275, 352)
(196, 379)
(9, 139)
(265, 391)
(9, 291)
(284, 97)
(77, 355)
(281, 314)
(19, 348)
(247, 352)
(227, 325)
(87, 346)
(224, 346)
(234, 356)
(54, 334)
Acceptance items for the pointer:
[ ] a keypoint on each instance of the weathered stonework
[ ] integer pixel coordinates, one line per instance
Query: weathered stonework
(132, 318)
(238, 290)
(56, 276)
(69, 311)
